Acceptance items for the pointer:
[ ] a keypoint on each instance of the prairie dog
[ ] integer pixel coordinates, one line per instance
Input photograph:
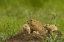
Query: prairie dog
(36, 26)
(26, 28)
(53, 28)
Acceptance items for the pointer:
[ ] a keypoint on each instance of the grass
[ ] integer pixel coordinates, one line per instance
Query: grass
(14, 13)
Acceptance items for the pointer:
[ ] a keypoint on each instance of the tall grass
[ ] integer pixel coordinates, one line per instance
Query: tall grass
(14, 13)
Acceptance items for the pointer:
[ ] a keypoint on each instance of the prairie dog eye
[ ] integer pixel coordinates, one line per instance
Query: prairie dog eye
(30, 20)
(28, 23)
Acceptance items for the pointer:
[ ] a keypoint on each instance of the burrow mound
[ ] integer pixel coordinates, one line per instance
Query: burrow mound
(23, 37)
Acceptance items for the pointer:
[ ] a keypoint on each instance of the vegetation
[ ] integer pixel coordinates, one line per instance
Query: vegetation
(14, 13)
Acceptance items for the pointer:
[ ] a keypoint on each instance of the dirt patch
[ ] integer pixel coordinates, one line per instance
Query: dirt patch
(22, 37)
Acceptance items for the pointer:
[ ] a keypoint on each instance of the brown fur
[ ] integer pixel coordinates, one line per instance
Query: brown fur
(53, 28)
(25, 29)
(36, 26)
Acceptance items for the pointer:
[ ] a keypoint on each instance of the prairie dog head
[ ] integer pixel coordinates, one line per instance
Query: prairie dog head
(32, 22)
(51, 27)
(26, 28)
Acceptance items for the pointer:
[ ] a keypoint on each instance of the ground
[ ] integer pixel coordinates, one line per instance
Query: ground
(23, 37)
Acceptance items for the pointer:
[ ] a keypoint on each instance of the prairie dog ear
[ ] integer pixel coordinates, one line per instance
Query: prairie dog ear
(34, 20)
(27, 21)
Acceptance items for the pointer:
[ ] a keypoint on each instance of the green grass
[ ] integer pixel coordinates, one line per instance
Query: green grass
(15, 13)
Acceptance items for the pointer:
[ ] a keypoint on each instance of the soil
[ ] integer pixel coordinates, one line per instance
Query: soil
(23, 37)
